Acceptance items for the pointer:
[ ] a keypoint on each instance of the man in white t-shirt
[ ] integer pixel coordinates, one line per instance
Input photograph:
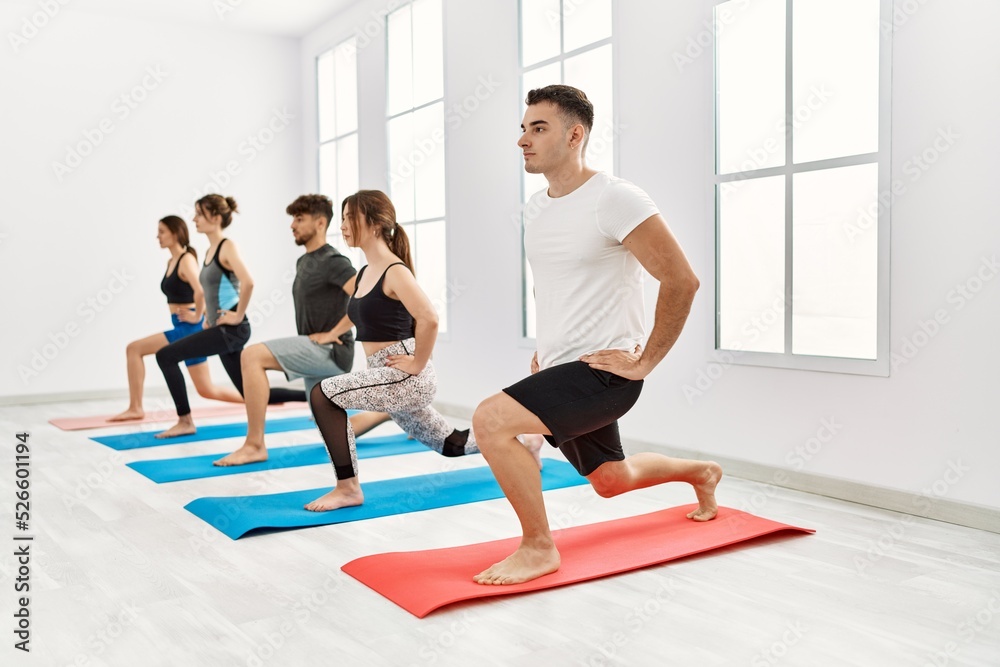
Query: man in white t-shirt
(589, 238)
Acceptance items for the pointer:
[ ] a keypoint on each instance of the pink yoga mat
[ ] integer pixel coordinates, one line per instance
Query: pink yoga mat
(220, 410)
(422, 581)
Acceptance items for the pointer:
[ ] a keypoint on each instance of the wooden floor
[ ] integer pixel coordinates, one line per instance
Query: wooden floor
(122, 575)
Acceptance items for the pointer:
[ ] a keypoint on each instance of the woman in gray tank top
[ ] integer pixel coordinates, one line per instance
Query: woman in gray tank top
(184, 295)
(227, 286)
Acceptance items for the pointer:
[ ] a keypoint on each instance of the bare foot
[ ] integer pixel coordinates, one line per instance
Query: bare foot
(182, 427)
(525, 564)
(246, 454)
(533, 443)
(336, 499)
(705, 490)
(128, 415)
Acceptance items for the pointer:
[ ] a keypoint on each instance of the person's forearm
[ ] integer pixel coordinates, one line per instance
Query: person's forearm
(343, 326)
(425, 335)
(199, 305)
(246, 289)
(673, 304)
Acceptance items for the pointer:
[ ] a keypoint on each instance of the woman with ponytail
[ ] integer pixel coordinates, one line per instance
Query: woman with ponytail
(187, 305)
(397, 325)
(227, 285)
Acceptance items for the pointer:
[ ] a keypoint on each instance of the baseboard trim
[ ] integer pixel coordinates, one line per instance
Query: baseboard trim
(148, 392)
(75, 396)
(970, 515)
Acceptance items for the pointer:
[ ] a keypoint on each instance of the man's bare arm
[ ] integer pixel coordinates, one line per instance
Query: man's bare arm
(661, 256)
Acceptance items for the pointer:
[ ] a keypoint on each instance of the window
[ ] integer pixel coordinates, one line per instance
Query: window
(568, 41)
(801, 99)
(337, 118)
(415, 125)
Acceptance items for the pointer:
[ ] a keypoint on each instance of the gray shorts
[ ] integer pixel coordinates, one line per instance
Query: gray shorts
(299, 357)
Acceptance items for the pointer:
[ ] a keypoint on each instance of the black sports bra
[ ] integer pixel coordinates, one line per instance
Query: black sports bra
(175, 289)
(378, 317)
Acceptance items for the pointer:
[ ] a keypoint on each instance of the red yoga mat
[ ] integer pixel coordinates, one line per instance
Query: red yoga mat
(221, 410)
(422, 581)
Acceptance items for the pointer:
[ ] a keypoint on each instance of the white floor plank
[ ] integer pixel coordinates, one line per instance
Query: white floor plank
(123, 575)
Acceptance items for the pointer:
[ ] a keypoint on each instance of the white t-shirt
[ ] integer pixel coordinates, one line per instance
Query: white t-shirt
(588, 287)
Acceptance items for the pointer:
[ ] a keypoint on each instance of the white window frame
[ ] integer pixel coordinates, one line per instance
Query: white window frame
(525, 340)
(414, 224)
(881, 364)
(333, 229)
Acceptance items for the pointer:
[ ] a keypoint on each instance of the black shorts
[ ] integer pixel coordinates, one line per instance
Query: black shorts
(581, 407)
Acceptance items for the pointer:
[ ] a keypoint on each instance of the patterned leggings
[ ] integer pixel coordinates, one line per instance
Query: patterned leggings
(407, 399)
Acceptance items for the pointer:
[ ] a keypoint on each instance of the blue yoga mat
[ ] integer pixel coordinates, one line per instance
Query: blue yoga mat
(235, 516)
(214, 432)
(197, 467)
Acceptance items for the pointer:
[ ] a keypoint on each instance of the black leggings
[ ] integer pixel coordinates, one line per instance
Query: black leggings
(332, 422)
(227, 342)
(338, 435)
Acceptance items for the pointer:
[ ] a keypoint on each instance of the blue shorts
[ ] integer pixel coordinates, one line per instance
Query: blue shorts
(182, 330)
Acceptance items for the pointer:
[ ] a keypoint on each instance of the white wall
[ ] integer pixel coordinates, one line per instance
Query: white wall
(925, 429)
(63, 241)
(913, 430)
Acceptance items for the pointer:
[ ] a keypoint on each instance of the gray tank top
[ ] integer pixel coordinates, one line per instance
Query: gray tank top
(222, 287)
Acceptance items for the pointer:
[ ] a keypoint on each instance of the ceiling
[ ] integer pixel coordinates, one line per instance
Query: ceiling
(284, 18)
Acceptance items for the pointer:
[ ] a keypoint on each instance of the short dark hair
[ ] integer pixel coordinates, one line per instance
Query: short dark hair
(312, 205)
(574, 107)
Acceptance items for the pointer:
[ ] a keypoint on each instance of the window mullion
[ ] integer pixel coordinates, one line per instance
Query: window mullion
(789, 180)
(562, 30)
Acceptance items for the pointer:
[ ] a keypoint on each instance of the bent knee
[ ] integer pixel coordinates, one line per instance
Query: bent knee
(254, 355)
(316, 394)
(610, 479)
(164, 357)
(204, 390)
(486, 422)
